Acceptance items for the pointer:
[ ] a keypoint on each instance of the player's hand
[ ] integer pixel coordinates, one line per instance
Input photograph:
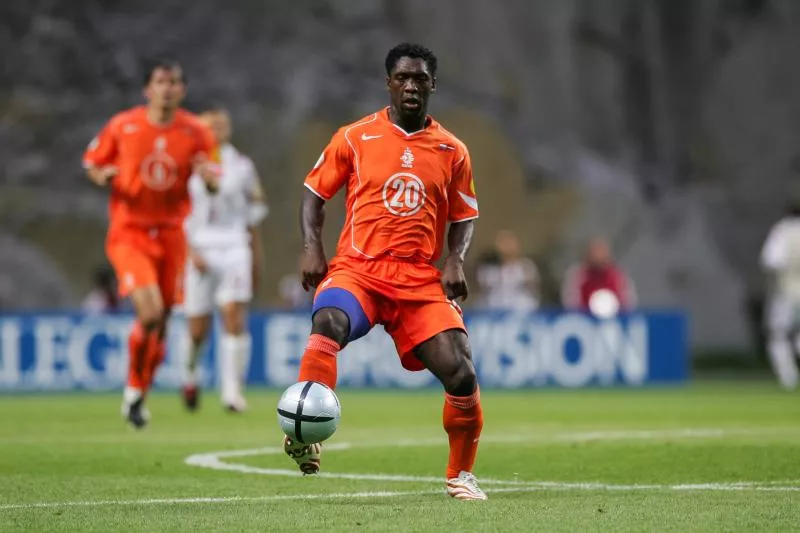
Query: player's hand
(313, 268)
(453, 279)
(208, 171)
(198, 261)
(102, 176)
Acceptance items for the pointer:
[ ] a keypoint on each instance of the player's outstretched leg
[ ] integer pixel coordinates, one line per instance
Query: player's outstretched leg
(329, 331)
(447, 356)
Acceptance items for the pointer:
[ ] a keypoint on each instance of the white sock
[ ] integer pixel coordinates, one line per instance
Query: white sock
(191, 360)
(234, 359)
(783, 362)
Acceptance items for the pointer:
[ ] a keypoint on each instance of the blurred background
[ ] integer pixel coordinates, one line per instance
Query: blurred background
(662, 135)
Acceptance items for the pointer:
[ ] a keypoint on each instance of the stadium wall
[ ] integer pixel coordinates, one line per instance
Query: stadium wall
(69, 351)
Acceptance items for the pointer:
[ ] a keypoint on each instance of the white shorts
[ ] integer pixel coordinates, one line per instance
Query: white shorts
(228, 279)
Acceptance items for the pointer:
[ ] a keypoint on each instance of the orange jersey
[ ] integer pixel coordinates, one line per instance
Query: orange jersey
(402, 189)
(155, 163)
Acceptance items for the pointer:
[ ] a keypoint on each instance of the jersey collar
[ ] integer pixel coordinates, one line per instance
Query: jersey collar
(429, 123)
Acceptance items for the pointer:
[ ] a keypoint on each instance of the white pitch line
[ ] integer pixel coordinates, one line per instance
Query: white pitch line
(223, 499)
(213, 460)
(534, 487)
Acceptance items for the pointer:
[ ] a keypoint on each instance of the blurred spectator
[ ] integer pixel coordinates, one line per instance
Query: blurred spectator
(780, 259)
(598, 285)
(103, 297)
(509, 281)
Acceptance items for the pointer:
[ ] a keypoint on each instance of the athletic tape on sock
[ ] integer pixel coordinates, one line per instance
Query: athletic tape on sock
(323, 344)
(464, 402)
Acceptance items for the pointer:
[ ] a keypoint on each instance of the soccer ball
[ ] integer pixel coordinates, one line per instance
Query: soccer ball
(308, 412)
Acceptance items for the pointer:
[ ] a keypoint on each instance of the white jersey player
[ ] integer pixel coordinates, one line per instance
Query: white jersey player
(224, 258)
(780, 258)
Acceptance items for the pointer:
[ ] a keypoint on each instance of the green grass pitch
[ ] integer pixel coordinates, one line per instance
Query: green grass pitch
(708, 457)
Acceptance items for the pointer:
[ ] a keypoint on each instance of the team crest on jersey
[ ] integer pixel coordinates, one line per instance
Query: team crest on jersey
(159, 170)
(407, 158)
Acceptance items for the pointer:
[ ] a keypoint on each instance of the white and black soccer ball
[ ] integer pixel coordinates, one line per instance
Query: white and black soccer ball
(309, 412)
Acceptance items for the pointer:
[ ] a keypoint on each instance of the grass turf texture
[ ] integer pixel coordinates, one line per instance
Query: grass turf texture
(639, 444)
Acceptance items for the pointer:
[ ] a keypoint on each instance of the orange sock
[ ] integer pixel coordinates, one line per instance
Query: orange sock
(156, 352)
(319, 360)
(137, 355)
(463, 421)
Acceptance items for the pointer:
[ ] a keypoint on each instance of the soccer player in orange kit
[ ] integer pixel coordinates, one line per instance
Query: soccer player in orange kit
(145, 156)
(406, 178)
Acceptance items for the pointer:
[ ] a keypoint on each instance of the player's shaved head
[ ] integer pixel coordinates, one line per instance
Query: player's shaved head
(413, 51)
(410, 80)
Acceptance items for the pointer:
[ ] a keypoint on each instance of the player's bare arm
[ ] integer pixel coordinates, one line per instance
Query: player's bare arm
(313, 266)
(459, 239)
(102, 176)
(256, 250)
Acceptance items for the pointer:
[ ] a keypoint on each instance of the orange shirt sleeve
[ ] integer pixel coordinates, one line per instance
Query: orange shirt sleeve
(333, 168)
(103, 148)
(461, 193)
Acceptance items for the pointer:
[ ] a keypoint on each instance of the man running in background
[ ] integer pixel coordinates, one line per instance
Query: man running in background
(780, 259)
(145, 156)
(224, 261)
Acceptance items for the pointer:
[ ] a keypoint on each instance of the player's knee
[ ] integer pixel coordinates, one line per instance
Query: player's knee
(199, 328)
(332, 323)
(150, 321)
(462, 380)
(234, 319)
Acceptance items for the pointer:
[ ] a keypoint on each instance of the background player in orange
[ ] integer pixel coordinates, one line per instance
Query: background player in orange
(406, 179)
(146, 155)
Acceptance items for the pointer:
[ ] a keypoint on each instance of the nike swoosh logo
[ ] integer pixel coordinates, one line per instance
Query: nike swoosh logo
(469, 200)
(365, 137)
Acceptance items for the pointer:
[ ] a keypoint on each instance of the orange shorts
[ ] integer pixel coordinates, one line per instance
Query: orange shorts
(407, 298)
(144, 256)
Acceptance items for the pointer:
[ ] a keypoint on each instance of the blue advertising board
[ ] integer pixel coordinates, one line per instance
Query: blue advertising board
(64, 351)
